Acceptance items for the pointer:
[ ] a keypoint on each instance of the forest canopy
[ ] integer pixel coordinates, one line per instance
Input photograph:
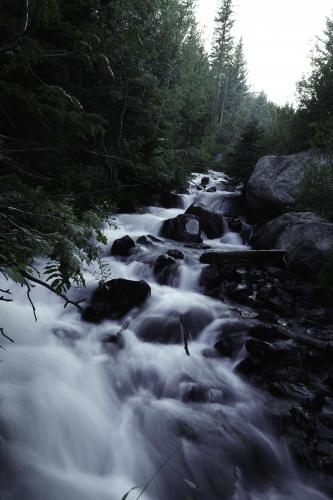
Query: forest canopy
(105, 103)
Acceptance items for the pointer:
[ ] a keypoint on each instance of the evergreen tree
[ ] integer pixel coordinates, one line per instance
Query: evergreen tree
(315, 117)
(246, 152)
(221, 57)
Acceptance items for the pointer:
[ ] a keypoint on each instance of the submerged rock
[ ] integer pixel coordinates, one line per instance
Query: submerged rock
(175, 254)
(185, 227)
(116, 298)
(163, 267)
(122, 246)
(211, 222)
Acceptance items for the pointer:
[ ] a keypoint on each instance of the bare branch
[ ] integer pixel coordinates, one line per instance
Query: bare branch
(6, 336)
(33, 279)
(30, 299)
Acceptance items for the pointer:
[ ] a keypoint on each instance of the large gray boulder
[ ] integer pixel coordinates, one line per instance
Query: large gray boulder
(306, 237)
(275, 180)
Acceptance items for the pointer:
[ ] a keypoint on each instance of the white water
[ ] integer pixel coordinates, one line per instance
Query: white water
(79, 421)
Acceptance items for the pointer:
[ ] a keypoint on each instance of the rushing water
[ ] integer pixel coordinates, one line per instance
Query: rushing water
(82, 420)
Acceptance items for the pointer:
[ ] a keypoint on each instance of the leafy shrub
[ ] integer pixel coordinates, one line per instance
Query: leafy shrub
(315, 192)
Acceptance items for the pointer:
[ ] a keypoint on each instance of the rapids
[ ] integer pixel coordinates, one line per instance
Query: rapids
(82, 420)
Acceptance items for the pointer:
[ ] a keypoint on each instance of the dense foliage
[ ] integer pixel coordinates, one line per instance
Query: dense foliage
(100, 104)
(104, 103)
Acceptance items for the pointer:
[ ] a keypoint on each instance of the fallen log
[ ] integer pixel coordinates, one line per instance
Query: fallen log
(245, 258)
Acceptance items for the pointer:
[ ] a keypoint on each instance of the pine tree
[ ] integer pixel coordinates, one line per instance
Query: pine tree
(222, 55)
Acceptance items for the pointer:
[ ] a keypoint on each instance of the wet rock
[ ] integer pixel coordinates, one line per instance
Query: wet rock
(145, 241)
(185, 228)
(196, 393)
(163, 268)
(211, 222)
(112, 341)
(205, 181)
(210, 279)
(267, 316)
(235, 224)
(175, 254)
(267, 332)
(164, 330)
(116, 298)
(162, 262)
(231, 337)
(211, 189)
(304, 395)
(148, 240)
(67, 335)
(195, 319)
(122, 247)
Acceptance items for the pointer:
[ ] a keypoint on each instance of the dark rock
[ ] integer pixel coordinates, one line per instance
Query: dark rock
(210, 278)
(116, 298)
(211, 222)
(169, 330)
(144, 240)
(280, 353)
(267, 316)
(306, 237)
(275, 179)
(122, 246)
(242, 257)
(195, 320)
(175, 254)
(69, 336)
(162, 262)
(205, 181)
(200, 394)
(232, 338)
(163, 269)
(211, 189)
(267, 332)
(164, 330)
(235, 225)
(113, 341)
(148, 240)
(305, 396)
(186, 228)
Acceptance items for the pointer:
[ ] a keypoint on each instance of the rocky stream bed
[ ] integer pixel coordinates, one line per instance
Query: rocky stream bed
(201, 370)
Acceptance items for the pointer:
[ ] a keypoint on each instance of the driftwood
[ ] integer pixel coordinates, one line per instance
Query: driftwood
(245, 258)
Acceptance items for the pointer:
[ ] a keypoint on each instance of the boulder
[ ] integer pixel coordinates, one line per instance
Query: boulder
(211, 189)
(205, 181)
(275, 180)
(161, 329)
(116, 298)
(163, 267)
(211, 222)
(175, 254)
(184, 227)
(122, 246)
(306, 237)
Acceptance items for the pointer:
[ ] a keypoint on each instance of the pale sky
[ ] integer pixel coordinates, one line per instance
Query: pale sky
(278, 37)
